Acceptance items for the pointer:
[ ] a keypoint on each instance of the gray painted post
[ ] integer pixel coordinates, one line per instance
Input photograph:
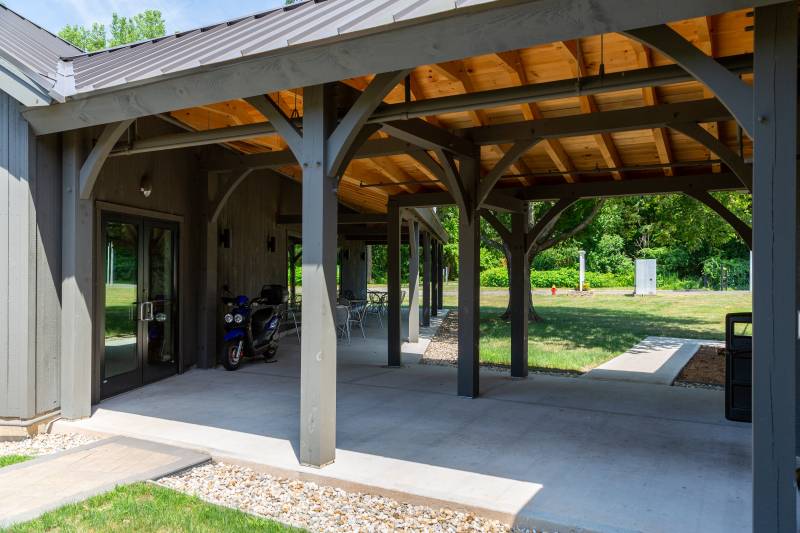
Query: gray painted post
(413, 281)
(468, 286)
(208, 306)
(318, 338)
(775, 268)
(520, 281)
(353, 274)
(434, 278)
(393, 274)
(76, 286)
(426, 279)
(440, 277)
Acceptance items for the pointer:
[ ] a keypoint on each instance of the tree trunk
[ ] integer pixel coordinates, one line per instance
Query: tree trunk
(533, 316)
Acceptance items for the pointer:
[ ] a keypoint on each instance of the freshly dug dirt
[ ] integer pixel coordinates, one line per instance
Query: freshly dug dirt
(706, 367)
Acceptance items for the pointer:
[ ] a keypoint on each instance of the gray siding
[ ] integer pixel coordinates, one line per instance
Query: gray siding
(30, 274)
(250, 216)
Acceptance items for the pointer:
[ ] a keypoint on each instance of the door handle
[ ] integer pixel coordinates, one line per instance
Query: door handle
(146, 311)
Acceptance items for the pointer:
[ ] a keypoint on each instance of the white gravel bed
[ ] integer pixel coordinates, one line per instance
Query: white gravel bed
(45, 444)
(315, 507)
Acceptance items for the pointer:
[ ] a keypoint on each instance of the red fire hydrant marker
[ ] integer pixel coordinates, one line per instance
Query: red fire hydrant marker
(553, 290)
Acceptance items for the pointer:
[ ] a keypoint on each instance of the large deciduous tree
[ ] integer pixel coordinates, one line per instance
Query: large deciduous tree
(148, 24)
(561, 227)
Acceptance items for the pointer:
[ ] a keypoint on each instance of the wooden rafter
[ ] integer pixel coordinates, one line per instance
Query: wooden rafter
(555, 150)
(605, 143)
(456, 72)
(705, 30)
(650, 97)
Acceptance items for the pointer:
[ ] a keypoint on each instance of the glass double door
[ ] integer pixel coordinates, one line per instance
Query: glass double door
(139, 302)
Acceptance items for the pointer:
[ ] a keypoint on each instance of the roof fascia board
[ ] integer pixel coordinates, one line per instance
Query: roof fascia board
(20, 87)
(491, 27)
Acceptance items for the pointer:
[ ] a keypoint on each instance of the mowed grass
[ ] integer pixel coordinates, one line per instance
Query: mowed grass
(148, 508)
(8, 460)
(581, 332)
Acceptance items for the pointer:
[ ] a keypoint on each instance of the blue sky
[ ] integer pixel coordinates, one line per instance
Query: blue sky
(179, 14)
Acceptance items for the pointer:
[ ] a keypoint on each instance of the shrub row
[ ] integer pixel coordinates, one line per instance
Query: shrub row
(562, 278)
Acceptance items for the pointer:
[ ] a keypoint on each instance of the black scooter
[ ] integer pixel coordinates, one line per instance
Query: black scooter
(252, 325)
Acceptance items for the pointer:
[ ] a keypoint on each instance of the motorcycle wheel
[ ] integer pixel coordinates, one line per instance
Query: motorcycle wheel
(230, 359)
(270, 353)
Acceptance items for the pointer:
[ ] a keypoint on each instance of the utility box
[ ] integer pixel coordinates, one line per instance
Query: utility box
(739, 367)
(645, 282)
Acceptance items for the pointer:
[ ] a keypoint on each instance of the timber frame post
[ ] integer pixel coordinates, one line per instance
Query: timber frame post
(468, 279)
(394, 328)
(426, 279)
(413, 280)
(520, 282)
(323, 148)
(76, 288)
(775, 312)
(440, 277)
(434, 281)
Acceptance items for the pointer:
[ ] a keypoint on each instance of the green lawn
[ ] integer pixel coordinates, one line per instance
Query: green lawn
(581, 332)
(8, 460)
(147, 508)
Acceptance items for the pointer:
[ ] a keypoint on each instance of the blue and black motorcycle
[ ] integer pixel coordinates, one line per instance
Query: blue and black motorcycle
(252, 326)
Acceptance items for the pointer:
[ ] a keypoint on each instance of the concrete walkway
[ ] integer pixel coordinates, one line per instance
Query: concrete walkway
(657, 360)
(549, 452)
(30, 489)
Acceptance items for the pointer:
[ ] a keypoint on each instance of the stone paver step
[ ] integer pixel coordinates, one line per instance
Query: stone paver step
(30, 489)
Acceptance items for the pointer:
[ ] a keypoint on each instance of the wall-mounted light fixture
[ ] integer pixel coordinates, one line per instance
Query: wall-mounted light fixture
(225, 238)
(146, 186)
(271, 243)
(346, 254)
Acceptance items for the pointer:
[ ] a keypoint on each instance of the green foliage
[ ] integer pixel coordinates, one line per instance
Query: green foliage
(561, 278)
(609, 256)
(723, 273)
(676, 230)
(148, 24)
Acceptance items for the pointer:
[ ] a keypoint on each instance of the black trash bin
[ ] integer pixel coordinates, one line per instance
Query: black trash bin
(739, 367)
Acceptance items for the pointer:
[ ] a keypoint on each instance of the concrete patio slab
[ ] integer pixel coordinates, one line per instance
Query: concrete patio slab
(555, 453)
(656, 360)
(32, 488)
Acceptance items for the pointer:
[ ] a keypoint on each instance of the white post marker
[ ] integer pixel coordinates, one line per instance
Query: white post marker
(582, 277)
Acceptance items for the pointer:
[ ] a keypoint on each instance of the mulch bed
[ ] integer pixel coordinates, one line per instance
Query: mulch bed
(707, 367)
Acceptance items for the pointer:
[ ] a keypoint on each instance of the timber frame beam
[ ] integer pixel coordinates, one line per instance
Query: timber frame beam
(631, 187)
(733, 92)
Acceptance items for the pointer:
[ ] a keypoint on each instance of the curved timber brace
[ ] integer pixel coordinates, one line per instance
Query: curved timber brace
(90, 170)
(734, 161)
(739, 226)
(734, 94)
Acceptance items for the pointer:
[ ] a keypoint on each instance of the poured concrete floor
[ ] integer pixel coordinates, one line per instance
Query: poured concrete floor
(552, 452)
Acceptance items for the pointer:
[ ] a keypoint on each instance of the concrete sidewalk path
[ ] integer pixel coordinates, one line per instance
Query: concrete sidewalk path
(32, 488)
(657, 360)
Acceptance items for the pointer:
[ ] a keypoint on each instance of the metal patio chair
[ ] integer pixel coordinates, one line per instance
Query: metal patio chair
(343, 322)
(358, 313)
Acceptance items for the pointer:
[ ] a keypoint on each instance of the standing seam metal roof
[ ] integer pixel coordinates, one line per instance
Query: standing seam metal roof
(307, 22)
(31, 48)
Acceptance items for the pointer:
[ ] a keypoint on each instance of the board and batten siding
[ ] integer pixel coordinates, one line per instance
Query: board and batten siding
(30, 267)
(250, 216)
